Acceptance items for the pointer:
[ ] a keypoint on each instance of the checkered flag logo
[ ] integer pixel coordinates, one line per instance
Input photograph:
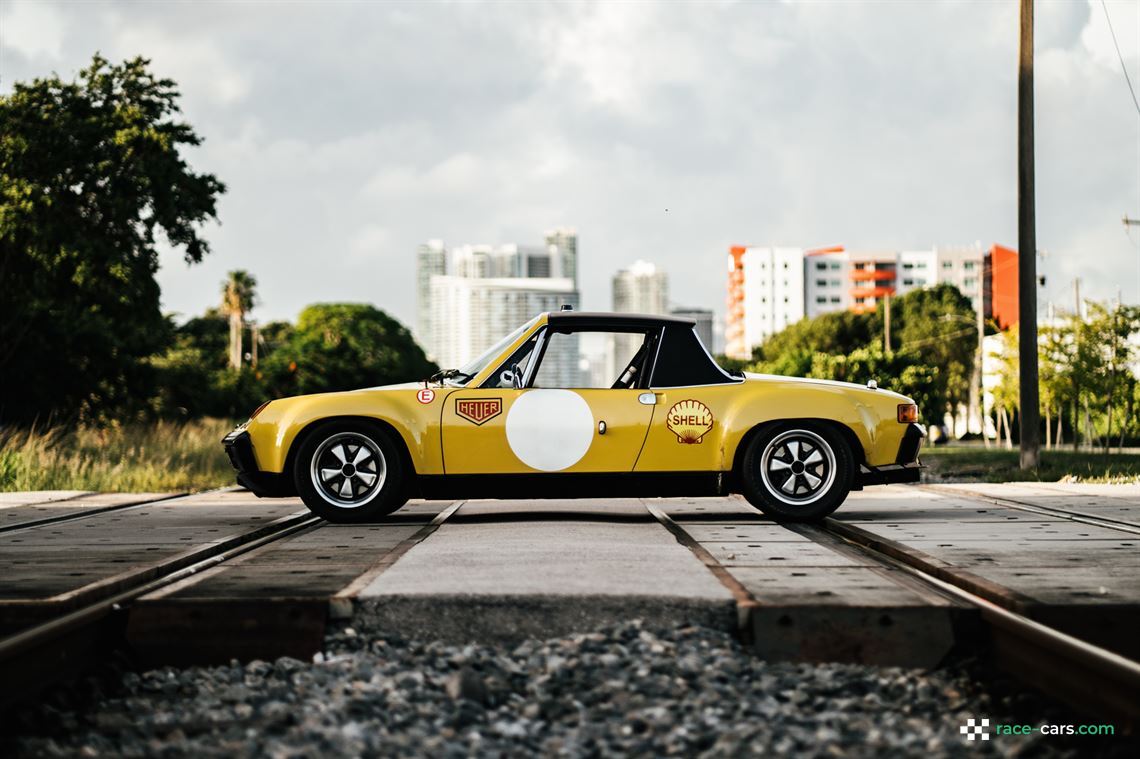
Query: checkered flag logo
(975, 729)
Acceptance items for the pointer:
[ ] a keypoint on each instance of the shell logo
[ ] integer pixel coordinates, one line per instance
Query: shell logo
(689, 420)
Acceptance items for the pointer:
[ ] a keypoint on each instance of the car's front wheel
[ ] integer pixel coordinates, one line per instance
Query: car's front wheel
(797, 471)
(349, 471)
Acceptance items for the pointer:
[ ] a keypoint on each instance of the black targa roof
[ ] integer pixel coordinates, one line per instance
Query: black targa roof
(681, 359)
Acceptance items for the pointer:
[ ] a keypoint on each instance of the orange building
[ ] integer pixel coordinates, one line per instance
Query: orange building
(1001, 286)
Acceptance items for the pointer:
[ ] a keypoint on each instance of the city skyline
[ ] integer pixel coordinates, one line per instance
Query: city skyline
(663, 131)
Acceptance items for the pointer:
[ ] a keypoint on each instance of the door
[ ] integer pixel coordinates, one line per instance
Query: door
(563, 422)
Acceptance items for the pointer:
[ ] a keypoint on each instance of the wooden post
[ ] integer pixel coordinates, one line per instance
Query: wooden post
(1029, 409)
(980, 356)
(887, 323)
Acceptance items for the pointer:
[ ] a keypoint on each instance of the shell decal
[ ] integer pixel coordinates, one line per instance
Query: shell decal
(690, 420)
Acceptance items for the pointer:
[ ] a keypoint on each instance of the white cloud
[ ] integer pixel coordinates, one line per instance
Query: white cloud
(1096, 37)
(33, 29)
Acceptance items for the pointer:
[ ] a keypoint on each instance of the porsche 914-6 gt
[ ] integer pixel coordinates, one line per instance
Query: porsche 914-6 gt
(657, 417)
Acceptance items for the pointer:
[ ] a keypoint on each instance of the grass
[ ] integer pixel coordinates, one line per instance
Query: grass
(979, 464)
(163, 457)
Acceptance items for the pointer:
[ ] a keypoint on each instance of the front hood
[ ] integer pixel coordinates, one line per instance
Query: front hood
(752, 377)
(397, 386)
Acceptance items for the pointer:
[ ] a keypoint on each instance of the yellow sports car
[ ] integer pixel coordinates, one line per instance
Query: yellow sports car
(528, 419)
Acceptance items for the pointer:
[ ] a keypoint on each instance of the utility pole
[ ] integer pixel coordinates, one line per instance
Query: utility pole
(1131, 223)
(1027, 247)
(887, 323)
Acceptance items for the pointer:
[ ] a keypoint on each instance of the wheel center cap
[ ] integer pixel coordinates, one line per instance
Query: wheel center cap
(348, 470)
(798, 467)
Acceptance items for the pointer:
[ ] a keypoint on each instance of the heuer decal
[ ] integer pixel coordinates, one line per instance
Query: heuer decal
(689, 420)
(478, 410)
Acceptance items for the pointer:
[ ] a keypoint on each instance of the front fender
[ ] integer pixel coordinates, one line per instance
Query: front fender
(276, 429)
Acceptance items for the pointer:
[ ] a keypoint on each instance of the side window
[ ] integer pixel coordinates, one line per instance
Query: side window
(592, 360)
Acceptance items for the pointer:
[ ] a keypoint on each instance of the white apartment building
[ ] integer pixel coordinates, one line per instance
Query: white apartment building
(770, 288)
(826, 283)
(766, 294)
(964, 267)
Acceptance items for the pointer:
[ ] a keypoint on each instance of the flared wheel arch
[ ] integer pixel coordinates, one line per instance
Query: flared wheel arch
(848, 435)
(380, 425)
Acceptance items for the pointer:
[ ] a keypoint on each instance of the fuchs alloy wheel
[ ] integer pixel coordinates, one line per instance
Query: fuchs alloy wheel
(797, 472)
(349, 472)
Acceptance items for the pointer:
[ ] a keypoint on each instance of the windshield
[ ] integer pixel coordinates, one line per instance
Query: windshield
(471, 368)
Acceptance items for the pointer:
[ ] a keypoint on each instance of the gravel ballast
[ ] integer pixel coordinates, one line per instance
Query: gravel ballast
(619, 691)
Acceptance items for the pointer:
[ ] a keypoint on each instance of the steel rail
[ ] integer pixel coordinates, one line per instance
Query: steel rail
(18, 643)
(164, 498)
(46, 645)
(1073, 516)
(1089, 677)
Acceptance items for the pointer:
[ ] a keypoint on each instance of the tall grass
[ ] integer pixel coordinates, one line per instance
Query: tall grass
(159, 457)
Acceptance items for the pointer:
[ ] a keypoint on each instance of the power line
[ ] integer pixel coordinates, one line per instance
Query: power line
(1123, 68)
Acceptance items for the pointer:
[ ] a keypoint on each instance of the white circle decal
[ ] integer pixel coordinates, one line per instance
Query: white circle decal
(550, 430)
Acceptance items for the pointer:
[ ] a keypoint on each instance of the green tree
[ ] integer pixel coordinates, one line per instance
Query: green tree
(91, 173)
(938, 324)
(239, 294)
(344, 346)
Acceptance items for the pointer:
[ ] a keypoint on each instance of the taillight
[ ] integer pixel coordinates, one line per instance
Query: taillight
(257, 410)
(908, 413)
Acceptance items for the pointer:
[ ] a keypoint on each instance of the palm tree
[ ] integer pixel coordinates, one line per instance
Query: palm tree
(238, 297)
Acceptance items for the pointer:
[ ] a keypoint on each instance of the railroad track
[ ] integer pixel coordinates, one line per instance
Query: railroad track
(90, 622)
(1086, 676)
(96, 510)
(1089, 677)
(86, 621)
(1084, 517)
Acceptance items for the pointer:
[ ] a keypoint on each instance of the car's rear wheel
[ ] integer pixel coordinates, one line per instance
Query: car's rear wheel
(349, 471)
(797, 471)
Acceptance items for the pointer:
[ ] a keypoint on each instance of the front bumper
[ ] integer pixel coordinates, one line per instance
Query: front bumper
(907, 466)
(239, 449)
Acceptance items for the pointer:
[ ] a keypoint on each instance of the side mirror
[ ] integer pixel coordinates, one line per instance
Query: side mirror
(516, 377)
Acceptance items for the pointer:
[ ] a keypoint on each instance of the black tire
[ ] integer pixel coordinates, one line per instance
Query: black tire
(333, 467)
(797, 471)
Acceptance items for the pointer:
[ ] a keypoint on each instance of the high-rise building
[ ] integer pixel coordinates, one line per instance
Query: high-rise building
(473, 314)
(472, 295)
(641, 288)
(704, 319)
(431, 260)
(565, 240)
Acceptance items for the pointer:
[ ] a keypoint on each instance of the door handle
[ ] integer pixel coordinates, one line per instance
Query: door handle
(647, 399)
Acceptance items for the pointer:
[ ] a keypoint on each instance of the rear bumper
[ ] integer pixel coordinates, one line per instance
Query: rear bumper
(907, 466)
(239, 449)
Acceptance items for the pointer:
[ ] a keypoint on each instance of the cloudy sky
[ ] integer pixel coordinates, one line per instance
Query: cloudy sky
(348, 132)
